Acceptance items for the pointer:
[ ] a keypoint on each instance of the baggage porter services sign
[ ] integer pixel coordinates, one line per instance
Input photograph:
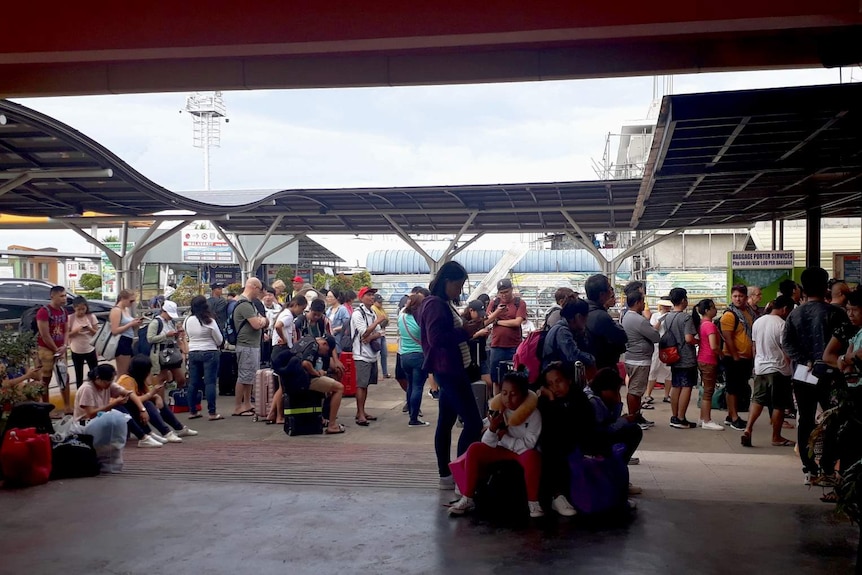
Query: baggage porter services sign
(766, 260)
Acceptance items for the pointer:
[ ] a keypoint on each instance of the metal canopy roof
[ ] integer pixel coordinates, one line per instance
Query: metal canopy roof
(594, 206)
(730, 158)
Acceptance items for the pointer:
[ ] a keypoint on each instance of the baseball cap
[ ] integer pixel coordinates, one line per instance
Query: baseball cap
(665, 301)
(378, 297)
(299, 279)
(216, 286)
(171, 308)
(478, 306)
(504, 283)
(364, 291)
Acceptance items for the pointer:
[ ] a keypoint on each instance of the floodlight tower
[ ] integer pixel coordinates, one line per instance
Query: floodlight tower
(207, 111)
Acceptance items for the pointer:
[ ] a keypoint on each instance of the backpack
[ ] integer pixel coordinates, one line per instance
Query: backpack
(502, 497)
(528, 356)
(717, 321)
(231, 331)
(300, 346)
(144, 346)
(516, 301)
(668, 341)
(346, 338)
(303, 327)
(28, 320)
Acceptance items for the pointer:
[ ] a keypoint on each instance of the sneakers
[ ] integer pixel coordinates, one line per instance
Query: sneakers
(635, 490)
(635, 461)
(466, 504)
(711, 425)
(156, 437)
(434, 393)
(643, 422)
(647, 400)
(647, 406)
(739, 424)
(666, 400)
(172, 437)
(678, 423)
(418, 423)
(186, 432)
(535, 508)
(562, 506)
(447, 483)
(149, 441)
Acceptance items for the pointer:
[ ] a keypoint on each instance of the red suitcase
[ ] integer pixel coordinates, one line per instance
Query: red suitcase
(348, 380)
(263, 391)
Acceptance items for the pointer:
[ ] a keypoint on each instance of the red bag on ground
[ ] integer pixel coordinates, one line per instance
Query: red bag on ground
(25, 457)
(348, 380)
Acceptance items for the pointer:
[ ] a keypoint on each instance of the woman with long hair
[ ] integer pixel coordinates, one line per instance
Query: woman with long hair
(707, 358)
(82, 326)
(125, 324)
(412, 358)
(204, 341)
(444, 340)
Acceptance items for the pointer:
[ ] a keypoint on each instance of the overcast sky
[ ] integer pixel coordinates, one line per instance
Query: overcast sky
(429, 135)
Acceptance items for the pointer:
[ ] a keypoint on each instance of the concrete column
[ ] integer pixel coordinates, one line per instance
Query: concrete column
(812, 236)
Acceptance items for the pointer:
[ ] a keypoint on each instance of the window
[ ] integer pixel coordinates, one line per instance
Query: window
(13, 290)
(43, 271)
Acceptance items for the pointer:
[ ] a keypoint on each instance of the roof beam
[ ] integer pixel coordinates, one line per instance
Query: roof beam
(236, 246)
(465, 245)
(371, 211)
(729, 142)
(585, 240)
(432, 263)
(813, 135)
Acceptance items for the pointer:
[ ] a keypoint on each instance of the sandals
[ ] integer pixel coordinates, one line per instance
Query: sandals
(785, 443)
(363, 423)
(195, 416)
(830, 497)
(215, 417)
(328, 431)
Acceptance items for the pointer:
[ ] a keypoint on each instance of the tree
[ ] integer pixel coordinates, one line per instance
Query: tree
(360, 280)
(285, 274)
(91, 282)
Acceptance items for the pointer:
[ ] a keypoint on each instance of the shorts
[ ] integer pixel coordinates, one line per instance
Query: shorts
(325, 385)
(485, 367)
(659, 371)
(773, 390)
(683, 376)
(46, 360)
(737, 374)
(247, 362)
(366, 373)
(124, 346)
(638, 379)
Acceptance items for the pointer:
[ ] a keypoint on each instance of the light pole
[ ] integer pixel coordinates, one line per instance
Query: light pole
(207, 111)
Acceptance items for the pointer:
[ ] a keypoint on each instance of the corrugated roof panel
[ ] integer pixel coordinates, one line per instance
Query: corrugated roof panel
(482, 261)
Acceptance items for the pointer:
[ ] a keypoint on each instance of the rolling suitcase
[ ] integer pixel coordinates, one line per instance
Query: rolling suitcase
(303, 413)
(503, 368)
(262, 393)
(348, 380)
(227, 373)
(480, 393)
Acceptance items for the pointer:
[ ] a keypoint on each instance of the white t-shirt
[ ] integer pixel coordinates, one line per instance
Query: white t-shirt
(359, 323)
(286, 318)
(767, 334)
(203, 337)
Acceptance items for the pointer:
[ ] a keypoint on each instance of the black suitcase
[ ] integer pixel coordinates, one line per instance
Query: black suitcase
(480, 393)
(227, 373)
(303, 413)
(503, 368)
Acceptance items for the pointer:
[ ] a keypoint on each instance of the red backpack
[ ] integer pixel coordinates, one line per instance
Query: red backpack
(528, 356)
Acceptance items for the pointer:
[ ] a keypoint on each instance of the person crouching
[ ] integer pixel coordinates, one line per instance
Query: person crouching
(503, 442)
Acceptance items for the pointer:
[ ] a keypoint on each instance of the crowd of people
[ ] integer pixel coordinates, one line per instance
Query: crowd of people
(585, 357)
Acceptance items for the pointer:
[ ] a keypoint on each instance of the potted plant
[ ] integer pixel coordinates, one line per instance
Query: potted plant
(16, 352)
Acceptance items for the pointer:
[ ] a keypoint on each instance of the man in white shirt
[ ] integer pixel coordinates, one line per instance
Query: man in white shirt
(772, 371)
(365, 325)
(283, 338)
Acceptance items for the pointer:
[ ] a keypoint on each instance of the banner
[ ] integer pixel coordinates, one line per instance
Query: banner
(761, 260)
(204, 246)
(109, 274)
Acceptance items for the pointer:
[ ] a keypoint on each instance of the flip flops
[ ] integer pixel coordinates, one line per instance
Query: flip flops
(363, 423)
(785, 443)
(195, 416)
(246, 413)
(215, 417)
(328, 431)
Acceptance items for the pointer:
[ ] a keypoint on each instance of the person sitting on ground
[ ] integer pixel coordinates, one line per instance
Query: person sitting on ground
(136, 382)
(772, 372)
(283, 338)
(297, 372)
(611, 427)
(102, 394)
(505, 442)
(561, 343)
(32, 375)
(567, 421)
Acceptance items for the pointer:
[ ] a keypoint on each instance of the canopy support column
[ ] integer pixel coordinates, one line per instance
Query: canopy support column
(258, 258)
(812, 235)
(238, 251)
(584, 239)
(401, 233)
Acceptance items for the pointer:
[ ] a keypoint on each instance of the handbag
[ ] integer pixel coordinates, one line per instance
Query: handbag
(61, 372)
(106, 342)
(376, 345)
(170, 356)
(668, 350)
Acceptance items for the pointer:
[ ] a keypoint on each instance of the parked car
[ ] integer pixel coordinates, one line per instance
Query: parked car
(19, 295)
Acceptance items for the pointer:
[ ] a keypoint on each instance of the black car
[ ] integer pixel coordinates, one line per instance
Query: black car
(19, 295)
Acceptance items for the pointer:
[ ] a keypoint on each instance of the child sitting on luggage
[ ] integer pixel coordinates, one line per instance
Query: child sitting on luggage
(567, 424)
(611, 426)
(504, 441)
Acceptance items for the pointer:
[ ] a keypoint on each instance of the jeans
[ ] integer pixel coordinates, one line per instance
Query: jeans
(384, 357)
(456, 398)
(136, 427)
(411, 363)
(161, 418)
(203, 372)
(498, 355)
(78, 360)
(807, 398)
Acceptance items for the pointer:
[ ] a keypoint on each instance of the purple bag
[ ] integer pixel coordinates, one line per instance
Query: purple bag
(599, 484)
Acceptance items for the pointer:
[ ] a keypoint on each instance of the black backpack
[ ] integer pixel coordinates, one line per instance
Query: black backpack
(144, 346)
(501, 498)
(28, 320)
(74, 456)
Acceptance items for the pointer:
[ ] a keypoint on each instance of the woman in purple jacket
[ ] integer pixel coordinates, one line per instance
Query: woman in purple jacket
(447, 356)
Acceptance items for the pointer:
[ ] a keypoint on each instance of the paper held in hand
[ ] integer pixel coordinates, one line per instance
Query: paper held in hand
(803, 374)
